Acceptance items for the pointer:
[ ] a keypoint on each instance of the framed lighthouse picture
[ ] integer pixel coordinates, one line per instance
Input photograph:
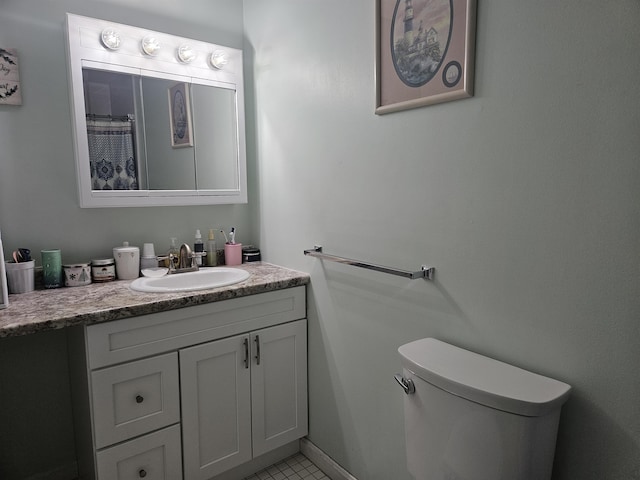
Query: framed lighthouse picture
(425, 52)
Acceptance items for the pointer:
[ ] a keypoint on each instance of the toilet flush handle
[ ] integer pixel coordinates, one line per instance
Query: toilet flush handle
(406, 384)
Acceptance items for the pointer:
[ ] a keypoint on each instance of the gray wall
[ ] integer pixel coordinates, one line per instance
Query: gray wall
(525, 198)
(39, 207)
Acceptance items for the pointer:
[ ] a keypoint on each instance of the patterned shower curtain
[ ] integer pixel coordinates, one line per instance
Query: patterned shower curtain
(112, 161)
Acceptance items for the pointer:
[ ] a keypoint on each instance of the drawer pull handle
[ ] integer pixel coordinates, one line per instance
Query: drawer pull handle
(246, 353)
(142, 473)
(140, 399)
(257, 340)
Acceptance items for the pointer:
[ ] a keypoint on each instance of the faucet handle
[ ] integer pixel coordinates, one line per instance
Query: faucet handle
(171, 257)
(195, 256)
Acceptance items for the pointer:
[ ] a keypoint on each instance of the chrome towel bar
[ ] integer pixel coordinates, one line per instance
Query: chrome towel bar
(425, 272)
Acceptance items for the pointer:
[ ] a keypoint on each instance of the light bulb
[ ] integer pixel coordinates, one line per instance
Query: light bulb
(150, 45)
(219, 59)
(186, 54)
(110, 38)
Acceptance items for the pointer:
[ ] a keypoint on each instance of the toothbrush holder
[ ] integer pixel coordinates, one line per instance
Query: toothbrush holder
(233, 254)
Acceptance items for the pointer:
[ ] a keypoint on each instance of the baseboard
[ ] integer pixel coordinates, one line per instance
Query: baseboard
(323, 461)
(64, 472)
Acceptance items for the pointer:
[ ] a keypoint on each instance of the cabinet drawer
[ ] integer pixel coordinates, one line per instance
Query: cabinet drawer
(153, 457)
(135, 398)
(124, 340)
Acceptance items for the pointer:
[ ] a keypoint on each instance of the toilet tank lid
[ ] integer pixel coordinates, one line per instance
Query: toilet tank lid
(482, 379)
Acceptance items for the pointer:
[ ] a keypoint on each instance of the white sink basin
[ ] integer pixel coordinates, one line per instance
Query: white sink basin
(185, 282)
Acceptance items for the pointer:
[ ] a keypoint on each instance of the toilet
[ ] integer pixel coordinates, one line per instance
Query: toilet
(470, 417)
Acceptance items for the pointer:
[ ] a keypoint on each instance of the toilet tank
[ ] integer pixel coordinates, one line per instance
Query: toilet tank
(470, 417)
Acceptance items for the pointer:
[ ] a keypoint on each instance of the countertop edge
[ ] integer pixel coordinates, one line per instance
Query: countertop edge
(46, 310)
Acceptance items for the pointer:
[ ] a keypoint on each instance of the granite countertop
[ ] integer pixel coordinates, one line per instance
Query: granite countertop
(42, 310)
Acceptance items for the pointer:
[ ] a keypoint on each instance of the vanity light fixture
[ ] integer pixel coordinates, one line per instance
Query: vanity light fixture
(219, 59)
(186, 54)
(110, 38)
(150, 46)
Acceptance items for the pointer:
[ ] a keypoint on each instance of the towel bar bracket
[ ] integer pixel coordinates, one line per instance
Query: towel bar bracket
(424, 272)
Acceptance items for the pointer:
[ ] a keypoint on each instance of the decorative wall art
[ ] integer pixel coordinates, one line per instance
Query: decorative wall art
(10, 91)
(180, 113)
(425, 52)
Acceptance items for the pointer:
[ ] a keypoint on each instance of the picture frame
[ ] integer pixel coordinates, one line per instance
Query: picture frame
(10, 89)
(180, 116)
(425, 52)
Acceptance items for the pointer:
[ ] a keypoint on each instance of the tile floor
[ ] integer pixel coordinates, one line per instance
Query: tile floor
(296, 467)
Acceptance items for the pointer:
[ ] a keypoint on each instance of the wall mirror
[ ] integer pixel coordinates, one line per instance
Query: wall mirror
(158, 119)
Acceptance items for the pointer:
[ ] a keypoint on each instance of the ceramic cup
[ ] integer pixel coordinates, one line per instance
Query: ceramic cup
(51, 268)
(127, 261)
(20, 276)
(233, 253)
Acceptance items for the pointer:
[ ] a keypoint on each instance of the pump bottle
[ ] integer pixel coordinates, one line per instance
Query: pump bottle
(212, 259)
(198, 247)
(173, 249)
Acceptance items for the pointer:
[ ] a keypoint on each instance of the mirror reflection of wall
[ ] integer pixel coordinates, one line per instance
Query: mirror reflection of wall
(169, 168)
(217, 140)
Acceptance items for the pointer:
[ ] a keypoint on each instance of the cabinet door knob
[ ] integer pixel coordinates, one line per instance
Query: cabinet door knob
(140, 399)
(142, 473)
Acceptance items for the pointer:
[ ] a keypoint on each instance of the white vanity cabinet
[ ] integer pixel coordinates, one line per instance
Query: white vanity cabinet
(190, 393)
(241, 397)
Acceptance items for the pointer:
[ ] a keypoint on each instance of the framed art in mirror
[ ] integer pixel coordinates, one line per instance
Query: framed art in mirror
(425, 52)
(180, 116)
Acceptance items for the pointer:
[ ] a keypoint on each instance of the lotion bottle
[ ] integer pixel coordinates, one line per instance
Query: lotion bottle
(198, 247)
(212, 259)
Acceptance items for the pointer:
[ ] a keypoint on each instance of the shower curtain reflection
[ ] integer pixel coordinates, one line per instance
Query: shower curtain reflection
(111, 155)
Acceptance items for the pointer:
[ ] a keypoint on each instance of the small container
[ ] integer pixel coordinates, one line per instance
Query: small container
(148, 258)
(232, 254)
(52, 268)
(20, 276)
(250, 254)
(77, 275)
(148, 250)
(127, 261)
(103, 270)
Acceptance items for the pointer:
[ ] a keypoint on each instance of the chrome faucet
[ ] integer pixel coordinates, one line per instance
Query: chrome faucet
(185, 261)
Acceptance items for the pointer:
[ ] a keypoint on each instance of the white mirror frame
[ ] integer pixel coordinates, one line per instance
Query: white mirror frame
(85, 47)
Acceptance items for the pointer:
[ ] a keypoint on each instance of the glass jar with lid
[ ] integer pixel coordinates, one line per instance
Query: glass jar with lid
(103, 270)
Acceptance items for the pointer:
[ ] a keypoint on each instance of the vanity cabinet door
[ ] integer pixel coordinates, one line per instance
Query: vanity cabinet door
(279, 385)
(135, 398)
(152, 457)
(216, 406)
(242, 397)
